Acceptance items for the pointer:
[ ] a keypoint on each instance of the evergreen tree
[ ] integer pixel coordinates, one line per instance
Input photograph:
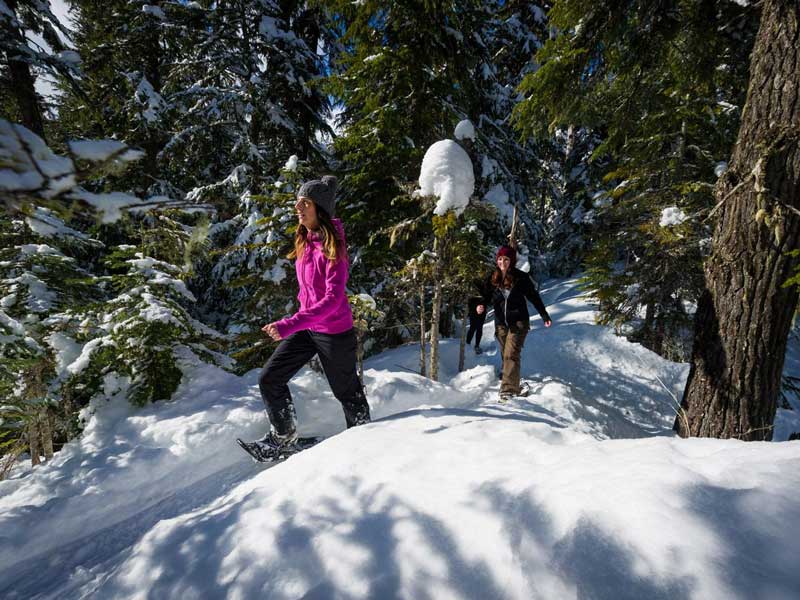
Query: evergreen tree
(22, 60)
(745, 313)
(510, 173)
(661, 84)
(130, 50)
(403, 73)
(245, 99)
(69, 326)
(252, 283)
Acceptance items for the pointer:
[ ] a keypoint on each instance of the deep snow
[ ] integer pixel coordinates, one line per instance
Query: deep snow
(578, 491)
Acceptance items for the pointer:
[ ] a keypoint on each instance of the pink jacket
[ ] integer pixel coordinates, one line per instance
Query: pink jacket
(324, 307)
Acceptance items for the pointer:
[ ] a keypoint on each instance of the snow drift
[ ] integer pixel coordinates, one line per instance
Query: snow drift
(579, 490)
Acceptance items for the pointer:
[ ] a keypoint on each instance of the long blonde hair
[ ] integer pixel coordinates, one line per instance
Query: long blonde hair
(332, 245)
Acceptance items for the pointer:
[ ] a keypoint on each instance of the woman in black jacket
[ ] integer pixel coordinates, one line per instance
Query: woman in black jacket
(508, 290)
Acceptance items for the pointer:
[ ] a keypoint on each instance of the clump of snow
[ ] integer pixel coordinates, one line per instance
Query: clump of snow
(83, 359)
(291, 164)
(110, 205)
(28, 164)
(601, 199)
(153, 102)
(66, 351)
(720, 168)
(69, 56)
(100, 150)
(47, 224)
(447, 174)
(368, 300)
(154, 11)
(156, 273)
(465, 130)
(29, 249)
(274, 29)
(672, 216)
(632, 291)
(277, 273)
(498, 197)
(488, 166)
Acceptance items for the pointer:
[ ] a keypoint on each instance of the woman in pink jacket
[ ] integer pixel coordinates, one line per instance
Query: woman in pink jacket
(324, 323)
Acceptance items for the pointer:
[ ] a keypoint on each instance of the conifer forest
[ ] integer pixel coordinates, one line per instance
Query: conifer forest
(641, 157)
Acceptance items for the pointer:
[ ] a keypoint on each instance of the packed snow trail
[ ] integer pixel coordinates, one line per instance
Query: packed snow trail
(577, 491)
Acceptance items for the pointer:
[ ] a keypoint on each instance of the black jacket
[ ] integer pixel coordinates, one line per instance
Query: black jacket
(513, 311)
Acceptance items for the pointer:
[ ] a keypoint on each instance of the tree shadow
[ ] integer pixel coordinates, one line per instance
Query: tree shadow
(586, 562)
(68, 565)
(636, 403)
(761, 541)
(472, 415)
(363, 540)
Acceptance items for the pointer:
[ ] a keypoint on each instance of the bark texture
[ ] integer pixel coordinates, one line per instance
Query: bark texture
(22, 79)
(744, 315)
(436, 311)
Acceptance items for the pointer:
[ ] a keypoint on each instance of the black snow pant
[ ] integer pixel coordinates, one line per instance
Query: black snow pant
(337, 353)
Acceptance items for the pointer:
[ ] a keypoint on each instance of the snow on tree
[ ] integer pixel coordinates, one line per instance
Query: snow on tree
(447, 174)
(660, 123)
(23, 59)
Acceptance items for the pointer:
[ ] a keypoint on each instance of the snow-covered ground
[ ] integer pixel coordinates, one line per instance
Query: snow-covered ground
(579, 490)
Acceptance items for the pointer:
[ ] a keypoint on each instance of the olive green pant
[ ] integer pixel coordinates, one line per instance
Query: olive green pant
(511, 341)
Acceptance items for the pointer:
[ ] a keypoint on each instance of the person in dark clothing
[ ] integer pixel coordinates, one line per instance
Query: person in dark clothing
(508, 289)
(476, 319)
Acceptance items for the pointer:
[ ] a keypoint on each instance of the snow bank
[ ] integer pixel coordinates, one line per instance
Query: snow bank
(485, 504)
(447, 174)
(579, 490)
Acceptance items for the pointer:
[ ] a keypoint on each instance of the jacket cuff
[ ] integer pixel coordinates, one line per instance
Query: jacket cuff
(284, 329)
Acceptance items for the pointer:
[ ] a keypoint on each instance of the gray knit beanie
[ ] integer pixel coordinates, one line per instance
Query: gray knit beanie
(321, 192)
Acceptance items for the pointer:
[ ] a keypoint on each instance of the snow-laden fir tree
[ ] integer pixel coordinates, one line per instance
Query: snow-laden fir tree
(129, 50)
(72, 321)
(250, 280)
(509, 173)
(34, 43)
(245, 98)
(403, 73)
(663, 89)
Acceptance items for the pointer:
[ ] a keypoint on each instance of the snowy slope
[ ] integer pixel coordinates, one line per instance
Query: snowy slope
(578, 491)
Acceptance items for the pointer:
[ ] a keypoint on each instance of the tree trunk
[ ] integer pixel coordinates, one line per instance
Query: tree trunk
(744, 315)
(463, 346)
(446, 324)
(46, 431)
(436, 310)
(512, 237)
(33, 442)
(23, 82)
(423, 360)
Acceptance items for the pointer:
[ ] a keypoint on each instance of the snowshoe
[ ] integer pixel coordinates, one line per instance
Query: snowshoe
(263, 451)
(478, 350)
